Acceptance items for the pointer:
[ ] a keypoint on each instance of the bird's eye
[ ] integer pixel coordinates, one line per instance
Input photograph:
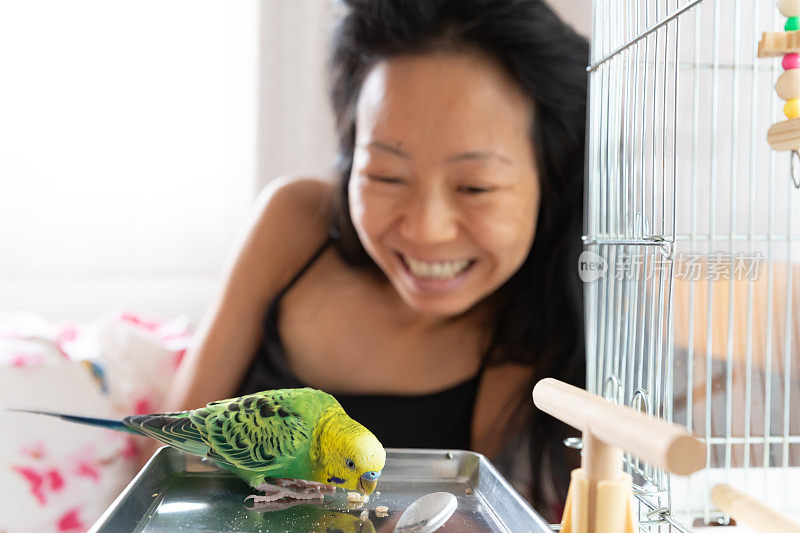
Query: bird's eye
(350, 464)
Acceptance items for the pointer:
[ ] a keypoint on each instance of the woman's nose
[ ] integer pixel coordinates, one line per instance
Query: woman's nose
(429, 219)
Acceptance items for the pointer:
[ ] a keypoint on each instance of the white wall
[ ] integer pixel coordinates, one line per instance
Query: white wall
(576, 13)
(295, 123)
(127, 151)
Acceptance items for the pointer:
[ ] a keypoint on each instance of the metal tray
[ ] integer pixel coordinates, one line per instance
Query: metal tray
(180, 492)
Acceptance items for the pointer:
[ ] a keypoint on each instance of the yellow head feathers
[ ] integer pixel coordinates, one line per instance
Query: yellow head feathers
(345, 453)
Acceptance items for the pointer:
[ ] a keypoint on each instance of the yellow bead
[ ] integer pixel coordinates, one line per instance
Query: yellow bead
(792, 108)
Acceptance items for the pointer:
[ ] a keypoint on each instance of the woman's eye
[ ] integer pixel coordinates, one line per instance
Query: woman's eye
(474, 189)
(384, 179)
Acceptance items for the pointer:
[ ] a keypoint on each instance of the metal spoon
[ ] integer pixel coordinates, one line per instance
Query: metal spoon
(427, 514)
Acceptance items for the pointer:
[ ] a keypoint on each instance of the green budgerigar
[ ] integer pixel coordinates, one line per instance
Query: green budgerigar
(296, 443)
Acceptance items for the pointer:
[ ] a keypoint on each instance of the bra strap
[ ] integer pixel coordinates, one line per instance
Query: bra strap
(305, 268)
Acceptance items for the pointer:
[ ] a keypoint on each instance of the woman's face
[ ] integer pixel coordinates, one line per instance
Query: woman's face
(444, 191)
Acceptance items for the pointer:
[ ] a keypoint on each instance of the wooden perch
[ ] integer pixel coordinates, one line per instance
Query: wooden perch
(668, 446)
(751, 512)
(599, 498)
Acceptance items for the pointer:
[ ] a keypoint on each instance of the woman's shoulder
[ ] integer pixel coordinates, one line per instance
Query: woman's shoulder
(298, 199)
(289, 222)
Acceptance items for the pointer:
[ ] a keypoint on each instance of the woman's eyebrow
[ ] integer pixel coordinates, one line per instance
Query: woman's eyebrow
(488, 154)
(478, 155)
(387, 148)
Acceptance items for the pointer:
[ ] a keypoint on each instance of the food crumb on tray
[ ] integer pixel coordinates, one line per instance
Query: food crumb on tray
(357, 497)
(381, 511)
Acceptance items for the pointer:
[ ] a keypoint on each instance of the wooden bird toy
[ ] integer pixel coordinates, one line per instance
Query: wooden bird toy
(785, 135)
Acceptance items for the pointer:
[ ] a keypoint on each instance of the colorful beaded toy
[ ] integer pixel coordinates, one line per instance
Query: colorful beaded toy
(785, 135)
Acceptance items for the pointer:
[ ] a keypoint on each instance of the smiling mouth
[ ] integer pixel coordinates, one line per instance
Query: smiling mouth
(438, 270)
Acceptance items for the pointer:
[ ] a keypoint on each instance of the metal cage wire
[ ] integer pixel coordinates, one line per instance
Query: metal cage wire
(690, 304)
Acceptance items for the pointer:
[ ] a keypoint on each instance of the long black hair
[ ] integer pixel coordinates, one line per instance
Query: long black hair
(539, 321)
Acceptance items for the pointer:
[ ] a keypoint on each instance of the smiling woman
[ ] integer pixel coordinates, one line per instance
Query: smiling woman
(437, 280)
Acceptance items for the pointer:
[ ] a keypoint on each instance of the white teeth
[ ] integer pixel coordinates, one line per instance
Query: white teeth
(440, 270)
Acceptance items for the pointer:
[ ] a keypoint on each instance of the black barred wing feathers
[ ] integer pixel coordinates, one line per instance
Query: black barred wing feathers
(254, 432)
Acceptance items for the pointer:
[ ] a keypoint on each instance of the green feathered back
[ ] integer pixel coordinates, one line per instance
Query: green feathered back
(262, 434)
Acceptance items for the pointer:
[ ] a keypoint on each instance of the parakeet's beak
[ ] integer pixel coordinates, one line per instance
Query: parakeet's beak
(368, 481)
(366, 486)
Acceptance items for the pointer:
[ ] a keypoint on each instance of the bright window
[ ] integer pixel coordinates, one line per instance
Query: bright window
(127, 144)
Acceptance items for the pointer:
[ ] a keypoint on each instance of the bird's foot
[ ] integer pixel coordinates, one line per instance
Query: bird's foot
(296, 489)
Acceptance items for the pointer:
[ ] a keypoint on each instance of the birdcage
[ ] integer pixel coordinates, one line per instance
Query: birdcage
(690, 247)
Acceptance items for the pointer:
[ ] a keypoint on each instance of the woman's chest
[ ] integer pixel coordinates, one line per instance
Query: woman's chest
(343, 336)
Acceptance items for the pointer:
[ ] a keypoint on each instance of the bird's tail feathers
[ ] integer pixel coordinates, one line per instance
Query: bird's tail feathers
(108, 423)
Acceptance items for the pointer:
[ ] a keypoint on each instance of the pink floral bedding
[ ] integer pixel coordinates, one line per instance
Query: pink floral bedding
(58, 476)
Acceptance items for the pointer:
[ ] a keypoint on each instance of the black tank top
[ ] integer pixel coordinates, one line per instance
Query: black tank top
(438, 420)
